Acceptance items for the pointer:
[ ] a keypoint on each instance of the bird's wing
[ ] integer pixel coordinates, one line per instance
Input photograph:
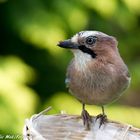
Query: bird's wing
(67, 81)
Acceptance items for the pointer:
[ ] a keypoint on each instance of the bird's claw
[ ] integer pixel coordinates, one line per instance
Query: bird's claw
(103, 119)
(86, 119)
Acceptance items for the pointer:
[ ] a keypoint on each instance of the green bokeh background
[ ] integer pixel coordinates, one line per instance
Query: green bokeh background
(32, 67)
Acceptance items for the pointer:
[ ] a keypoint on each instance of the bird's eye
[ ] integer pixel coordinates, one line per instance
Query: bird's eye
(91, 40)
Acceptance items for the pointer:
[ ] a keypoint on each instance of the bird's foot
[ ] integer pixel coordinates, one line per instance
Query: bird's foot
(103, 119)
(86, 119)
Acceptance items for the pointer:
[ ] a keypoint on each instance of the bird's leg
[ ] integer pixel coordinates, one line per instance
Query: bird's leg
(86, 118)
(102, 117)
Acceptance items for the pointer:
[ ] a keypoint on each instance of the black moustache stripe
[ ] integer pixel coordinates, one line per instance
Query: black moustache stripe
(87, 50)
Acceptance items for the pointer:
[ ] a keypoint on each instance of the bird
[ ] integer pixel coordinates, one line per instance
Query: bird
(97, 74)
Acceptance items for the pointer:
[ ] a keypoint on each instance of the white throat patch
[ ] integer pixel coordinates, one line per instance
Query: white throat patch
(81, 59)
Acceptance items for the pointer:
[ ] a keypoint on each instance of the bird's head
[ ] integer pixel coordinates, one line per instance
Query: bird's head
(92, 43)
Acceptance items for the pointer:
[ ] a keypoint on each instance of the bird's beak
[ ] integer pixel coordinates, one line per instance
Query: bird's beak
(67, 44)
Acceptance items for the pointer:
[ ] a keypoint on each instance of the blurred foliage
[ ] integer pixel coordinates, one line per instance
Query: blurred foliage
(32, 67)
